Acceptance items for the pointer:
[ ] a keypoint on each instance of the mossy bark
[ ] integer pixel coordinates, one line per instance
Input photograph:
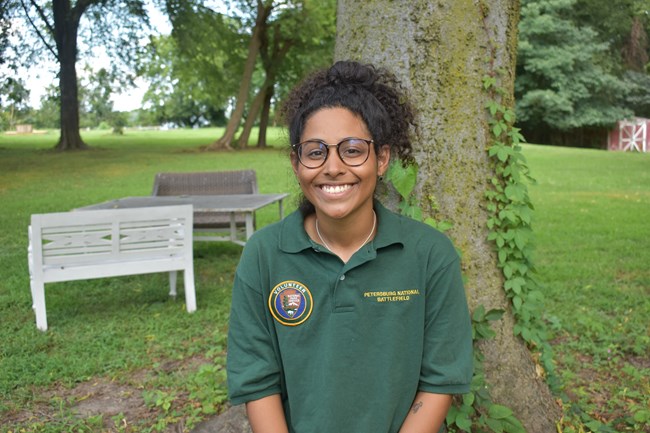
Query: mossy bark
(441, 50)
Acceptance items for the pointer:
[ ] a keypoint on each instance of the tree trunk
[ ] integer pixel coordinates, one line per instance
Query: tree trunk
(225, 142)
(264, 118)
(441, 51)
(66, 26)
(253, 112)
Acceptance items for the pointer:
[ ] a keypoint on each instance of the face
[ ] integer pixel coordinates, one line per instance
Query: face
(335, 189)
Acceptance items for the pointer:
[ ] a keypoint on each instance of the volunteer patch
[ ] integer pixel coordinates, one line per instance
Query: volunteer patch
(290, 303)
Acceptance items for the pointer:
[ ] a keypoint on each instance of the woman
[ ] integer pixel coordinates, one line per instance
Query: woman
(347, 317)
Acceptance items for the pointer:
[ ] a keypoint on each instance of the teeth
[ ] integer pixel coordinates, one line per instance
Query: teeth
(335, 189)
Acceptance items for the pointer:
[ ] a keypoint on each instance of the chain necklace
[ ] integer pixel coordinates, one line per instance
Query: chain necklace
(374, 224)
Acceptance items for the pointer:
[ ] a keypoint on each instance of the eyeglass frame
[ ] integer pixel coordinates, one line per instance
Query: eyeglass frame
(296, 148)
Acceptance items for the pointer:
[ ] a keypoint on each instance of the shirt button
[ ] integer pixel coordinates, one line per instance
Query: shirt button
(342, 277)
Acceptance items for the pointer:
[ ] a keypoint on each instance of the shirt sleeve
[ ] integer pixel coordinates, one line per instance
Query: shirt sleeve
(447, 364)
(253, 369)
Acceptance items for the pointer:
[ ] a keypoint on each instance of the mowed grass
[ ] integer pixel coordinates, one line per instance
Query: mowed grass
(124, 330)
(592, 227)
(593, 257)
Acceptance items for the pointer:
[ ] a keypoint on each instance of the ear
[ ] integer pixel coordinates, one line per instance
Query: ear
(383, 160)
(294, 162)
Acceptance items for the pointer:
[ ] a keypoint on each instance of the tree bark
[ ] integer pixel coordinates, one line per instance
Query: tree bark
(66, 25)
(264, 118)
(263, 12)
(441, 51)
(253, 112)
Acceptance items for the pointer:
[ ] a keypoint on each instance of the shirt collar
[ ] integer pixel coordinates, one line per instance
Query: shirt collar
(294, 238)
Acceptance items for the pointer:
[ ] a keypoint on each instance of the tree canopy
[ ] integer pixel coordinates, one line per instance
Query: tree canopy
(581, 67)
(116, 25)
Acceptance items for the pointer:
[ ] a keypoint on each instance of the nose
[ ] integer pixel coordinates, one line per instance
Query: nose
(334, 165)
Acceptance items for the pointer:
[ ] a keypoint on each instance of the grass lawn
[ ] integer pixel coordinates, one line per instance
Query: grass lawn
(120, 355)
(593, 258)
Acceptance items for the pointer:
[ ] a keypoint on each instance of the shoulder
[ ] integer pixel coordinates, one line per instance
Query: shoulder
(412, 233)
(279, 236)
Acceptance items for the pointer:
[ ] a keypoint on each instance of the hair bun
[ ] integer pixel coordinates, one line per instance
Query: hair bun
(349, 73)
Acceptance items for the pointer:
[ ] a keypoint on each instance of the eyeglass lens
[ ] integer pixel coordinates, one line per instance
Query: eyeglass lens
(353, 152)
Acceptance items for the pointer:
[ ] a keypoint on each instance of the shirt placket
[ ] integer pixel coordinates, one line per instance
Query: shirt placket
(344, 291)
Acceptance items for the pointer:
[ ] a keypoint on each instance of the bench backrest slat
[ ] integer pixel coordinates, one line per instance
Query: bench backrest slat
(206, 183)
(131, 233)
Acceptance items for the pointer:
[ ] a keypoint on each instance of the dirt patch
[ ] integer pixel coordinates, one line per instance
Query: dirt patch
(109, 399)
(120, 403)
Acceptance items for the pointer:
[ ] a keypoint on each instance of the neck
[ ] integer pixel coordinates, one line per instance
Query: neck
(345, 241)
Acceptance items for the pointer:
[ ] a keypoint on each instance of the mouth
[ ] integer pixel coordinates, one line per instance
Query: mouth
(336, 189)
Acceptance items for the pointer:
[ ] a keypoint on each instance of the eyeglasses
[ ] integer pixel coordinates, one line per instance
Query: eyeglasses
(352, 151)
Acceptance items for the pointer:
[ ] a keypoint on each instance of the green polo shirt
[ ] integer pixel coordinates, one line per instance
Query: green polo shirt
(348, 345)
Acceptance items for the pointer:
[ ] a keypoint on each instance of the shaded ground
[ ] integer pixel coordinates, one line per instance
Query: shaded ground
(112, 405)
(119, 406)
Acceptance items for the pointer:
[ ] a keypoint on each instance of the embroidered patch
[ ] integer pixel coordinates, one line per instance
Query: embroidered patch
(290, 303)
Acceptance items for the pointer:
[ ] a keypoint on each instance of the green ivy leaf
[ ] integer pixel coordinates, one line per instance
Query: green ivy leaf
(498, 411)
(494, 314)
(479, 313)
(403, 178)
(495, 425)
(464, 423)
(512, 425)
(468, 399)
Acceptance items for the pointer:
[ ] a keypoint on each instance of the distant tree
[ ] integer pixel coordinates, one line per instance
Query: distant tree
(47, 116)
(638, 96)
(5, 27)
(14, 102)
(184, 89)
(197, 70)
(296, 41)
(95, 101)
(259, 11)
(561, 88)
(114, 24)
(623, 24)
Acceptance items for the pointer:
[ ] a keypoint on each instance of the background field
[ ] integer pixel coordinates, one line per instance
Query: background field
(120, 354)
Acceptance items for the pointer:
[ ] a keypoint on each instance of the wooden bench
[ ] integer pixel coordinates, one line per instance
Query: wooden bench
(82, 245)
(208, 183)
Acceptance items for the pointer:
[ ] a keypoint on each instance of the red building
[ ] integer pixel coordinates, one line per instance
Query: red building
(630, 135)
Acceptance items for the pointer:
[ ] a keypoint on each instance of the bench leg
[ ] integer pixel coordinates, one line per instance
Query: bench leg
(172, 283)
(38, 299)
(190, 294)
(249, 225)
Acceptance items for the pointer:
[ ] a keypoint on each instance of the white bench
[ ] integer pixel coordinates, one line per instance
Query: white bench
(106, 243)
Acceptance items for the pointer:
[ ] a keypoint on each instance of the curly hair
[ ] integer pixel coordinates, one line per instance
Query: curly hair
(374, 94)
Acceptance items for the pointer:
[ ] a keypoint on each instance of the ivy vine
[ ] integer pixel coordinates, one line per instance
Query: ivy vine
(510, 223)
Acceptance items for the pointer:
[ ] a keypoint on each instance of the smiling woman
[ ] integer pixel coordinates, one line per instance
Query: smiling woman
(344, 281)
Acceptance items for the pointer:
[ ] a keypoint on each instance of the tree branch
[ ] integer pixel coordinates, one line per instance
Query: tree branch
(38, 32)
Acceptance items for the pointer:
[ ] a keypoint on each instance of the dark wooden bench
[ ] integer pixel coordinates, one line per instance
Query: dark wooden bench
(208, 183)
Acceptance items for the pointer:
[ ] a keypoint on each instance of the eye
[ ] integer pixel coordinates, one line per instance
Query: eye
(353, 148)
(314, 150)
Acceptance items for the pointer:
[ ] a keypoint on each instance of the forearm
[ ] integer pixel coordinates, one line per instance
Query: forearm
(427, 413)
(266, 415)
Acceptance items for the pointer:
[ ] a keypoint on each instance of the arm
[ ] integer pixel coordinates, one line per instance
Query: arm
(427, 413)
(266, 415)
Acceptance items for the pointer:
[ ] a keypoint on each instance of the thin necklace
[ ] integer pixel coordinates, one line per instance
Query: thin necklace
(374, 224)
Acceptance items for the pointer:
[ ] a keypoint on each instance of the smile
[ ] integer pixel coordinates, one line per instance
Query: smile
(335, 189)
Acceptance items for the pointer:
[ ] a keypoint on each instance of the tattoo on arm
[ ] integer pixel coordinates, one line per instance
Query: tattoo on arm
(416, 407)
